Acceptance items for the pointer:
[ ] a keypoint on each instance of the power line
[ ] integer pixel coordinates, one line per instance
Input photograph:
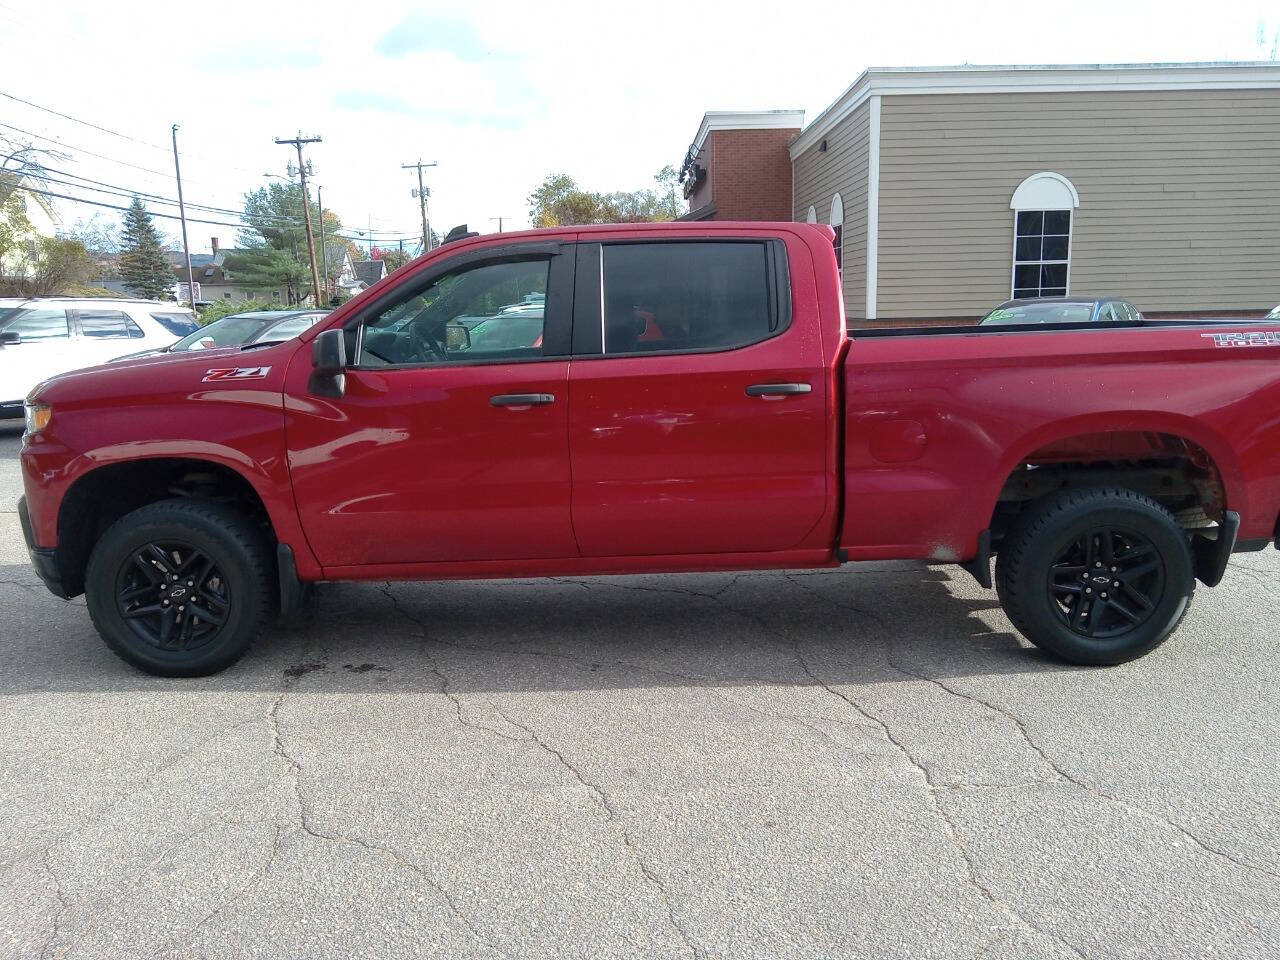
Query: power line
(154, 213)
(115, 189)
(100, 156)
(85, 123)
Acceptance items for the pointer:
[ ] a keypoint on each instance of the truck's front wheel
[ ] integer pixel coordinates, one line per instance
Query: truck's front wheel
(179, 588)
(1096, 576)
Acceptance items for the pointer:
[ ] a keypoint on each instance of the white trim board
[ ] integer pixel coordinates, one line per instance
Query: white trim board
(873, 208)
(884, 81)
(746, 120)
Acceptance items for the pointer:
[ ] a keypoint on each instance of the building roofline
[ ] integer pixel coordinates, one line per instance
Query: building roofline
(746, 120)
(1037, 78)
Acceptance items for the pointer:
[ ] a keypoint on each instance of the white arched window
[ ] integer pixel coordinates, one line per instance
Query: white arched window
(812, 215)
(836, 221)
(1043, 210)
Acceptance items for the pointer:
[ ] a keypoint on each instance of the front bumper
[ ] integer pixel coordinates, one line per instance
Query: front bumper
(10, 410)
(44, 560)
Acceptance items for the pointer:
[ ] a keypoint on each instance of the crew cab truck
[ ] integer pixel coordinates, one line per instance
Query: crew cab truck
(691, 401)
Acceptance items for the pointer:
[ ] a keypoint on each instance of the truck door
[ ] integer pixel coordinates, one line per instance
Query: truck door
(450, 442)
(698, 411)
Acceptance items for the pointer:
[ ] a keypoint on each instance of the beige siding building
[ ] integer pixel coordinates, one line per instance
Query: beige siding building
(957, 188)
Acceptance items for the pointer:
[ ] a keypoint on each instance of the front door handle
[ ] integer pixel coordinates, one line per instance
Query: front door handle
(522, 399)
(777, 389)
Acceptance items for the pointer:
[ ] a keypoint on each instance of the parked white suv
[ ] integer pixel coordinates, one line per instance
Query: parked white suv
(51, 335)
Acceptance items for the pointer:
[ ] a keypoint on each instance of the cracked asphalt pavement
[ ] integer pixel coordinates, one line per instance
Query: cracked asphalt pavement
(859, 763)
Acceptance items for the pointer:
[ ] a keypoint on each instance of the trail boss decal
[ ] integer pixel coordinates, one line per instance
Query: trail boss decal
(235, 373)
(1259, 338)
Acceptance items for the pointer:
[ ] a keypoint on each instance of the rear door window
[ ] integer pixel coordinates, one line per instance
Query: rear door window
(38, 324)
(107, 325)
(685, 296)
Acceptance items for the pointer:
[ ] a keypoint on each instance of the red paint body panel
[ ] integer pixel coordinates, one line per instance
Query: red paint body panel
(671, 456)
(663, 463)
(159, 407)
(415, 465)
(986, 401)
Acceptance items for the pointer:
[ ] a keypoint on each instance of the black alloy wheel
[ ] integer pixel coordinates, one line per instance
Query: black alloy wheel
(1095, 575)
(1107, 582)
(172, 595)
(182, 587)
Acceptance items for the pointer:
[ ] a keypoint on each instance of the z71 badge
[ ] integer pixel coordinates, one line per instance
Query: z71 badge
(235, 373)
(1259, 338)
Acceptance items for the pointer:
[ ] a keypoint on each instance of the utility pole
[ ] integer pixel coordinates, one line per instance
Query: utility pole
(499, 219)
(182, 214)
(324, 249)
(297, 142)
(422, 201)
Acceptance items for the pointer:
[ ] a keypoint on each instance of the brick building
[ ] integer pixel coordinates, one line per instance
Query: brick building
(739, 167)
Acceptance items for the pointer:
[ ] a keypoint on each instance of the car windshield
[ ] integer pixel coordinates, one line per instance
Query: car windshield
(226, 332)
(1048, 312)
(286, 329)
(179, 324)
(1274, 314)
(6, 313)
(507, 331)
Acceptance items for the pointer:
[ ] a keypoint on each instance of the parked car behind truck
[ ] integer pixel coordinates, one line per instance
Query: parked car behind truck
(50, 335)
(694, 403)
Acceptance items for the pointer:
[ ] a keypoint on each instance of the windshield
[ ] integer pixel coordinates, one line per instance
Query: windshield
(507, 331)
(179, 324)
(286, 329)
(226, 332)
(6, 313)
(1040, 313)
(1273, 315)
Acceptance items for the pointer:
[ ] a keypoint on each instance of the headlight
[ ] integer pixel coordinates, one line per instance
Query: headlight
(37, 415)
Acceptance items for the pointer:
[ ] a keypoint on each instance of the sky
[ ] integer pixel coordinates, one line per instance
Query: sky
(498, 95)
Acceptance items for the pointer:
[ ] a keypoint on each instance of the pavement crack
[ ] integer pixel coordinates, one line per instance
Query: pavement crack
(63, 904)
(306, 822)
(602, 798)
(954, 834)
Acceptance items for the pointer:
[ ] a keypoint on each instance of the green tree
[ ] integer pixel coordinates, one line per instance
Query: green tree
(143, 265)
(393, 258)
(558, 201)
(263, 267)
(47, 267)
(273, 245)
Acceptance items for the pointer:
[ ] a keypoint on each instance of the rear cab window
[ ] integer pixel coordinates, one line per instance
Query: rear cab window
(683, 296)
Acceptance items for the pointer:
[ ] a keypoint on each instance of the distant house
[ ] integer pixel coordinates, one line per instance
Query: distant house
(217, 282)
(369, 272)
(42, 223)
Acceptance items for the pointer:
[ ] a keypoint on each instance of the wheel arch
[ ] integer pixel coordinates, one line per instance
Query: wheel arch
(118, 485)
(1142, 439)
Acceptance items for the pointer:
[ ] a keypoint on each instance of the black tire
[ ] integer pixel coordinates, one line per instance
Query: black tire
(151, 563)
(1096, 575)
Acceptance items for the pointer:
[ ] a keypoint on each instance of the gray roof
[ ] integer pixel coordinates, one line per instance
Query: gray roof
(369, 271)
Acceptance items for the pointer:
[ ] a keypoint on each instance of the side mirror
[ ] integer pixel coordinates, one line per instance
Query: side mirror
(329, 352)
(10, 338)
(457, 337)
(329, 357)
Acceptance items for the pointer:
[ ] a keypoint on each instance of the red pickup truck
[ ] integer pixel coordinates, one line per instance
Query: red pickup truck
(648, 398)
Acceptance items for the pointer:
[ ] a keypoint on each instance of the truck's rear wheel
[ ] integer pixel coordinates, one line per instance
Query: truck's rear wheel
(1097, 575)
(180, 588)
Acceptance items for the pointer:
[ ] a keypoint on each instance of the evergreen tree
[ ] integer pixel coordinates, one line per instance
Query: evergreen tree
(143, 266)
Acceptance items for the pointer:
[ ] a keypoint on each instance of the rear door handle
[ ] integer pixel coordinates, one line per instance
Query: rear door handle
(777, 389)
(522, 399)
